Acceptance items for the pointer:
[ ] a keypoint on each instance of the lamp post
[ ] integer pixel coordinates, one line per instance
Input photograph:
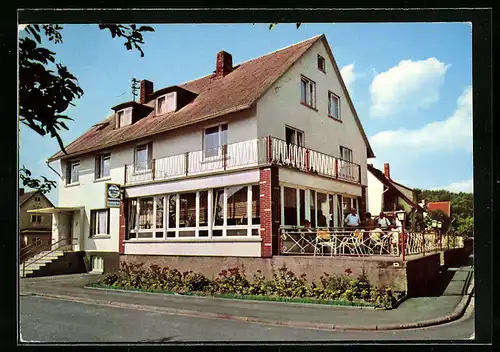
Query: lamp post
(434, 226)
(439, 225)
(423, 233)
(401, 217)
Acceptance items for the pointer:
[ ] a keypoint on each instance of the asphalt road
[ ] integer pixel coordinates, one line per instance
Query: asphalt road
(50, 320)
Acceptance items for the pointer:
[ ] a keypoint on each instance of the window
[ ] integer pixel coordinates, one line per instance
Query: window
(237, 209)
(36, 219)
(322, 209)
(294, 136)
(37, 199)
(213, 139)
(166, 103)
(308, 92)
(160, 105)
(346, 154)
(143, 157)
(290, 206)
(99, 222)
(321, 64)
(72, 172)
(333, 106)
(120, 121)
(187, 210)
(102, 166)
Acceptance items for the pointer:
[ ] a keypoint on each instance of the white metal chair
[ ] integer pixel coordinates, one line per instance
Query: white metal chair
(324, 239)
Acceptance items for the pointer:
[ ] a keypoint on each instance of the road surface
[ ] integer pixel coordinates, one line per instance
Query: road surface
(50, 320)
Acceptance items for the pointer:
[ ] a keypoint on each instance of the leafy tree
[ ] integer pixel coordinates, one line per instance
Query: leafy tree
(47, 88)
(462, 208)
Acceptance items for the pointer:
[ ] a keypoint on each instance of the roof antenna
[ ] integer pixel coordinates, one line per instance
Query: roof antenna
(135, 87)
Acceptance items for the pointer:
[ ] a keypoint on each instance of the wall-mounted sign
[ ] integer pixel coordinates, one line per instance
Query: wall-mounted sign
(113, 191)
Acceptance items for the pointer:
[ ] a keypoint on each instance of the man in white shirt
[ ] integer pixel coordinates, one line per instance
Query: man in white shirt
(352, 219)
(383, 222)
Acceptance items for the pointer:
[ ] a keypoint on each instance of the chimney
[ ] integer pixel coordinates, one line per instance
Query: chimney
(224, 64)
(387, 170)
(21, 191)
(146, 90)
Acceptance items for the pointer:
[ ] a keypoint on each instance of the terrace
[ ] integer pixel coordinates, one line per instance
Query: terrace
(242, 155)
(362, 242)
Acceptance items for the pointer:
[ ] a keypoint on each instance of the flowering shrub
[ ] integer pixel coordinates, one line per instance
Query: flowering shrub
(284, 283)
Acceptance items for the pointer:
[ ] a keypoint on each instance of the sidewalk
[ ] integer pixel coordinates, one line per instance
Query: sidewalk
(414, 312)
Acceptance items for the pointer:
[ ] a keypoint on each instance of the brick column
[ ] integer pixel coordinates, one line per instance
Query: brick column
(270, 209)
(123, 225)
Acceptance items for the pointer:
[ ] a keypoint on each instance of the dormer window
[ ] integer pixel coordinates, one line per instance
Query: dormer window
(166, 103)
(119, 119)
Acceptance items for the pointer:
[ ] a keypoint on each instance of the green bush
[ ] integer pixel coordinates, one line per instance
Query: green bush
(233, 281)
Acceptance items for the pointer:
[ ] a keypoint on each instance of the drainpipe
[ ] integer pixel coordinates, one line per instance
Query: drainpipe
(57, 173)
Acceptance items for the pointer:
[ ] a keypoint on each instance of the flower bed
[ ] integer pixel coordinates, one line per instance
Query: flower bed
(233, 283)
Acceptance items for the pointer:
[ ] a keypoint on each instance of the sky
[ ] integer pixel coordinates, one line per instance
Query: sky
(411, 85)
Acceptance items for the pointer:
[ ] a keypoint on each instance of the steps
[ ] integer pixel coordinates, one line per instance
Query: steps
(39, 261)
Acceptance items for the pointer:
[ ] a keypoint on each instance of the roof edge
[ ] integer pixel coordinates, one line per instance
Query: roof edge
(203, 118)
(370, 153)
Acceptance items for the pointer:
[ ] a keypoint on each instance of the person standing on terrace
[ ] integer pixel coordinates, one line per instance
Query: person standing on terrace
(383, 222)
(352, 219)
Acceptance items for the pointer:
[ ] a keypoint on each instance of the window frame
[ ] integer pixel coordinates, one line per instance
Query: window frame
(34, 217)
(99, 166)
(309, 83)
(119, 118)
(296, 133)
(149, 158)
(69, 173)
(250, 229)
(219, 140)
(164, 98)
(330, 95)
(342, 148)
(321, 58)
(94, 224)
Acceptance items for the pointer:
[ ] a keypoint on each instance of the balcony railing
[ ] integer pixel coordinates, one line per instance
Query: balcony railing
(250, 153)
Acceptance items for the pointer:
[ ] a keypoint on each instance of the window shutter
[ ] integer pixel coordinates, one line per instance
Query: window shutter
(68, 172)
(97, 167)
(150, 155)
(92, 222)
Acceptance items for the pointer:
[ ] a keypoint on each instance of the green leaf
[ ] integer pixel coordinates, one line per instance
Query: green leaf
(298, 25)
(272, 25)
(145, 29)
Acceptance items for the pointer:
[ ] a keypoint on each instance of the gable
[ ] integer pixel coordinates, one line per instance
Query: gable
(31, 201)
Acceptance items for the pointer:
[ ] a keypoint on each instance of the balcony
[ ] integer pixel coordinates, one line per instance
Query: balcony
(242, 155)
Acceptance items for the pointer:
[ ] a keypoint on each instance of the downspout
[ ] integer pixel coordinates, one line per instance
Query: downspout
(382, 198)
(57, 173)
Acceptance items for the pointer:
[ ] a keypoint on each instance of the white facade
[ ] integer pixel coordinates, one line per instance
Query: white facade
(375, 195)
(279, 107)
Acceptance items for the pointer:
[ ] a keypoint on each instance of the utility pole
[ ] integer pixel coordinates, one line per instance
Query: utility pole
(135, 87)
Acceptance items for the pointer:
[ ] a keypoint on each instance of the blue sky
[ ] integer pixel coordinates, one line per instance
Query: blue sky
(411, 85)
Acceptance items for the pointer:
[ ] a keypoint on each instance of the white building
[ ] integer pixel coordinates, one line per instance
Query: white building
(214, 166)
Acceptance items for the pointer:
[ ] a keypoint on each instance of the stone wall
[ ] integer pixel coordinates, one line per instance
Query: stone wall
(422, 273)
(69, 263)
(381, 273)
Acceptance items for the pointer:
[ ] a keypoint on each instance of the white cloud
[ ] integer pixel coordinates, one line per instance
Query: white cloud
(450, 134)
(348, 76)
(409, 86)
(460, 186)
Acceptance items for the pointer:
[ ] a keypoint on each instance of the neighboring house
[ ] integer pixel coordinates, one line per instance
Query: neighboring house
(214, 166)
(445, 207)
(385, 194)
(34, 227)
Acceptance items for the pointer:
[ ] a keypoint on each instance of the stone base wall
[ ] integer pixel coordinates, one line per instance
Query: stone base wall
(69, 263)
(111, 261)
(378, 272)
(422, 273)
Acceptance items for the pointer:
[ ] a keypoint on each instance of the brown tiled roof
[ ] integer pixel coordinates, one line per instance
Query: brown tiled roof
(445, 207)
(25, 196)
(216, 97)
(390, 183)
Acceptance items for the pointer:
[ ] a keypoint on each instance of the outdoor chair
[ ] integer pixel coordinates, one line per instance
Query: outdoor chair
(378, 240)
(324, 239)
(352, 242)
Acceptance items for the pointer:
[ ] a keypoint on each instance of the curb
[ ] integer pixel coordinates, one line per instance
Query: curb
(457, 314)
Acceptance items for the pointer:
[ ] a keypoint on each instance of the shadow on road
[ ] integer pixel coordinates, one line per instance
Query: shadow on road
(163, 339)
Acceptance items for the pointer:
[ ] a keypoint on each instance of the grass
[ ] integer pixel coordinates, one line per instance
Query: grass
(244, 297)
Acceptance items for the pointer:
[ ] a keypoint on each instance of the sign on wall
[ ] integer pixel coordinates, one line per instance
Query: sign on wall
(113, 191)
